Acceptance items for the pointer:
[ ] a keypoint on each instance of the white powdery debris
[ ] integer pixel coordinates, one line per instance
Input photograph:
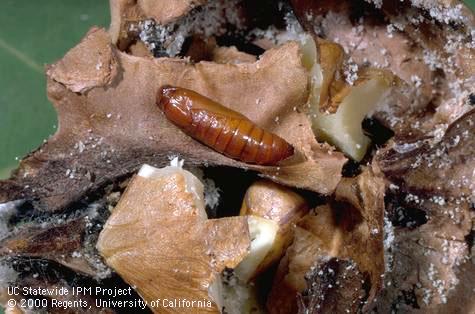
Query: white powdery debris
(7, 275)
(416, 19)
(471, 43)
(377, 3)
(76, 254)
(358, 30)
(271, 34)
(444, 14)
(432, 59)
(413, 198)
(440, 286)
(388, 106)
(153, 35)
(81, 146)
(454, 214)
(70, 173)
(439, 158)
(454, 42)
(456, 87)
(102, 270)
(293, 26)
(393, 187)
(236, 294)
(93, 210)
(7, 210)
(399, 23)
(427, 296)
(439, 131)
(89, 251)
(389, 237)
(454, 253)
(416, 80)
(208, 20)
(448, 15)
(293, 31)
(331, 19)
(406, 147)
(437, 199)
(440, 278)
(212, 195)
(351, 72)
(390, 30)
(432, 274)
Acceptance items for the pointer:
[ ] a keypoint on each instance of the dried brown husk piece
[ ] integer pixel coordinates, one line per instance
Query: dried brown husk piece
(429, 230)
(430, 266)
(159, 240)
(109, 131)
(63, 243)
(432, 165)
(349, 229)
(428, 44)
(334, 286)
(231, 55)
(430, 255)
(93, 52)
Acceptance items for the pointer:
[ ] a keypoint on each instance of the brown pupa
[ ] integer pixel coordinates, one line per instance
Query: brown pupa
(221, 128)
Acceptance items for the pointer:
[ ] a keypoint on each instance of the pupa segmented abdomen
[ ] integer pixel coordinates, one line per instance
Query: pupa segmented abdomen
(220, 128)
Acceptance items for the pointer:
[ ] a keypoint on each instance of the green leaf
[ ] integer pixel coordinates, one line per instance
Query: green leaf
(32, 34)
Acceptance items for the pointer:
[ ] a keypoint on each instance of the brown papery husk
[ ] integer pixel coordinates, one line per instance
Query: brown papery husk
(433, 56)
(429, 227)
(349, 229)
(160, 243)
(108, 127)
